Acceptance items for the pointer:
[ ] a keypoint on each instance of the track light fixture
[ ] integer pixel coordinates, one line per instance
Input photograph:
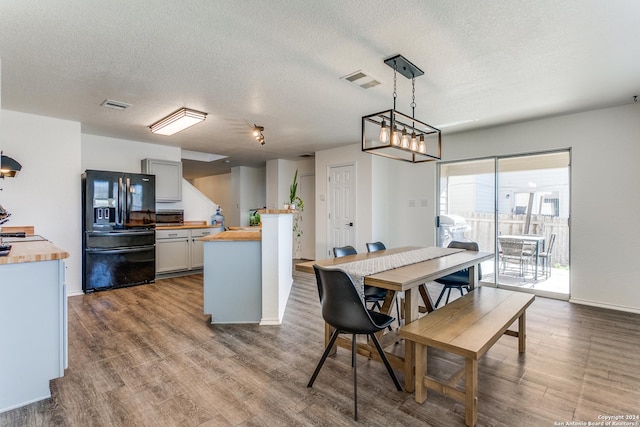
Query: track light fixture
(257, 133)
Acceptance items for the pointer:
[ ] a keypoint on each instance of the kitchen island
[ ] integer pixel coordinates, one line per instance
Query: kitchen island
(248, 273)
(33, 321)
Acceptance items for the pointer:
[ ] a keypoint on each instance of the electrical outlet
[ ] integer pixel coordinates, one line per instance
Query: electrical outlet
(412, 203)
(424, 203)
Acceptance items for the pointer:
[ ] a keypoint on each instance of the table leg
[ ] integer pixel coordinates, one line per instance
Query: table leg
(522, 334)
(471, 392)
(410, 315)
(473, 277)
(535, 274)
(426, 298)
(421, 372)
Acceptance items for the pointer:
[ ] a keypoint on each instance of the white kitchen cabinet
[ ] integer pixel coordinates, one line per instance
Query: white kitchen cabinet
(197, 245)
(33, 327)
(172, 250)
(168, 178)
(181, 250)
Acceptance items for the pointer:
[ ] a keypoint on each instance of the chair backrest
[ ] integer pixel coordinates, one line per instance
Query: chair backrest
(342, 306)
(344, 251)
(512, 247)
(375, 246)
(552, 240)
(469, 246)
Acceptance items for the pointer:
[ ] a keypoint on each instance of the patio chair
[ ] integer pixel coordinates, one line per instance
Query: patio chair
(515, 252)
(545, 256)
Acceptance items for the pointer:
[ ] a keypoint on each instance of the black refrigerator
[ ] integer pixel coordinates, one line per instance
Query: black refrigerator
(118, 221)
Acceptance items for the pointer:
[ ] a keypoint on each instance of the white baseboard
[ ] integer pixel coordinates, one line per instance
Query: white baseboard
(608, 306)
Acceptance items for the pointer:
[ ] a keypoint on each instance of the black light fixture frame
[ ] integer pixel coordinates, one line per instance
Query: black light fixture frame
(397, 120)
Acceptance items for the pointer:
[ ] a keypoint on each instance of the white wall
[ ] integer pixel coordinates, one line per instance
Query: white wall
(47, 192)
(336, 157)
(123, 155)
(604, 202)
(216, 188)
(248, 191)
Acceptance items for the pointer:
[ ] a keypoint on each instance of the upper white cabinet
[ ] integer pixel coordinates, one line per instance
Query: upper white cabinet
(168, 178)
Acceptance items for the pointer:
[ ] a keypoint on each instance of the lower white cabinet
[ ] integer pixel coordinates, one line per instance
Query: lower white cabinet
(33, 330)
(181, 250)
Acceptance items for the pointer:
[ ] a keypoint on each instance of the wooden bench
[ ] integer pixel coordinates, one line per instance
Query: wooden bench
(468, 326)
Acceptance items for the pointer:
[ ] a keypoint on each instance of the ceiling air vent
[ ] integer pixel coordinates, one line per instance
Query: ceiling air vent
(361, 79)
(116, 105)
(307, 155)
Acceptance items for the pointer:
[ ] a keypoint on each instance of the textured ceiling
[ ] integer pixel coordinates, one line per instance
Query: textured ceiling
(278, 63)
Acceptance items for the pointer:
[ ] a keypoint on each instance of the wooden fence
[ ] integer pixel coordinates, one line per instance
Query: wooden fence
(481, 230)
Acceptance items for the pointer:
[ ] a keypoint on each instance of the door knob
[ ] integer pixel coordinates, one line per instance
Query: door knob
(350, 224)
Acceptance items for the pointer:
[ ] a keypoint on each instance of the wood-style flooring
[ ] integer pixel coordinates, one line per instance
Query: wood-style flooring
(147, 356)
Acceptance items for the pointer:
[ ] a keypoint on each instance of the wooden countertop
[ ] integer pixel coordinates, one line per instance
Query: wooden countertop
(42, 250)
(187, 224)
(233, 236)
(247, 228)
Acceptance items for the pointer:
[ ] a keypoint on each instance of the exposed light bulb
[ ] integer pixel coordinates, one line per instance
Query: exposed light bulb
(395, 137)
(384, 132)
(405, 139)
(414, 142)
(422, 146)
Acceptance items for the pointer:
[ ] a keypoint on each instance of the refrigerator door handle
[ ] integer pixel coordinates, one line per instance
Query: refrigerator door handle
(119, 206)
(129, 201)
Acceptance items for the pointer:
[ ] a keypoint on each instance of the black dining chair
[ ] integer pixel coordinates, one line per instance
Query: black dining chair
(344, 310)
(376, 292)
(460, 279)
(372, 294)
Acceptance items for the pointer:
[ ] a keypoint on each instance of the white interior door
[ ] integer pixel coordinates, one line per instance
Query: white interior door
(342, 202)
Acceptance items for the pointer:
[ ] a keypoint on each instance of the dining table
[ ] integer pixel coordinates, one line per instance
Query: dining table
(534, 240)
(409, 279)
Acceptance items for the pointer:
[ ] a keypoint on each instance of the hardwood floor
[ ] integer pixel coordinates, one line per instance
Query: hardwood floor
(146, 356)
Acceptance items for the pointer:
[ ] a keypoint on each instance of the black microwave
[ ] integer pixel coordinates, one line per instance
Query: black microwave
(169, 217)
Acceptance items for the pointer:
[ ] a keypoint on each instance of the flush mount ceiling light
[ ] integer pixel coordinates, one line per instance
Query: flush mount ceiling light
(395, 135)
(177, 121)
(9, 167)
(257, 133)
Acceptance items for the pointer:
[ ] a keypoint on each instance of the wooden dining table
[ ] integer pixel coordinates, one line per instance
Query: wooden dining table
(411, 280)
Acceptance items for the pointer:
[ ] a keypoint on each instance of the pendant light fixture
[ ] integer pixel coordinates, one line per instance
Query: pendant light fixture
(395, 135)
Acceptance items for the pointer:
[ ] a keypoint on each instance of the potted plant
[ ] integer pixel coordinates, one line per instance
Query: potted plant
(296, 203)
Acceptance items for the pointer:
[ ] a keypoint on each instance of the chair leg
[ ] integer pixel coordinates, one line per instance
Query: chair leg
(332, 341)
(448, 295)
(355, 378)
(386, 362)
(444, 288)
(398, 311)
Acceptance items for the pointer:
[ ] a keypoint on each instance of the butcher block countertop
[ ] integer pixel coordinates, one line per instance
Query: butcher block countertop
(234, 236)
(42, 250)
(187, 224)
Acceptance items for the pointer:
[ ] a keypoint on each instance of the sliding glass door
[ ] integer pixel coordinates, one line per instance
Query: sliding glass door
(516, 207)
